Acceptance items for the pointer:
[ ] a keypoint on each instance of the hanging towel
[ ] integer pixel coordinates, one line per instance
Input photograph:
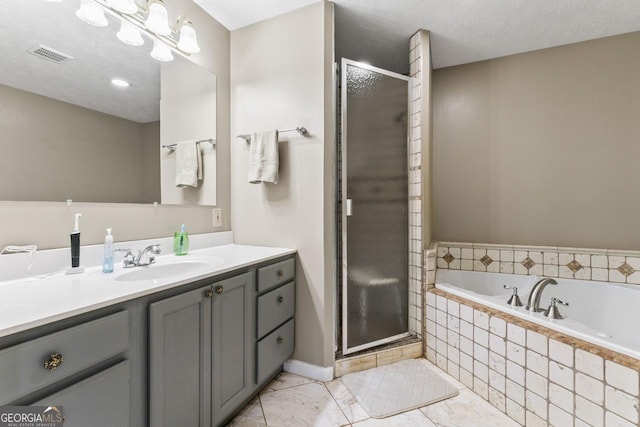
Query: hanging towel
(263, 157)
(188, 164)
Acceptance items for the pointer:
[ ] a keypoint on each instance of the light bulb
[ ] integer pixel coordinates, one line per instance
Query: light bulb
(124, 6)
(188, 42)
(129, 34)
(158, 21)
(120, 83)
(92, 14)
(161, 51)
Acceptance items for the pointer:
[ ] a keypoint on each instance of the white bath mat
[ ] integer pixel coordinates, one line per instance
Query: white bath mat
(399, 387)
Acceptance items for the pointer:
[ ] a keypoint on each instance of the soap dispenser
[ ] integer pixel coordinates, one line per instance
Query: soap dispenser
(181, 241)
(107, 264)
(75, 247)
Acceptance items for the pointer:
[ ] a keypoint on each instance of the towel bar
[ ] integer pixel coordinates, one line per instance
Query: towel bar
(300, 129)
(172, 147)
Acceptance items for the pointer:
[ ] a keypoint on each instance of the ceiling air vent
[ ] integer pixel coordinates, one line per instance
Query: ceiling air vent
(44, 52)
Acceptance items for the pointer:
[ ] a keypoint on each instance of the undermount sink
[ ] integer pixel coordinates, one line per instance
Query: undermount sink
(162, 271)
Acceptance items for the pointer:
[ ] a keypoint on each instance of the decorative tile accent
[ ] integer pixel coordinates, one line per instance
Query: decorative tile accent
(448, 258)
(574, 266)
(626, 269)
(528, 263)
(600, 265)
(486, 260)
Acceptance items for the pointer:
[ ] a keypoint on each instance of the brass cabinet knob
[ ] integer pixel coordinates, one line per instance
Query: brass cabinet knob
(281, 299)
(280, 340)
(209, 294)
(53, 361)
(280, 274)
(219, 289)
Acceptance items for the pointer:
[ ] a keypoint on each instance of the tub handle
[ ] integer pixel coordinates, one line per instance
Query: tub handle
(552, 312)
(555, 300)
(514, 300)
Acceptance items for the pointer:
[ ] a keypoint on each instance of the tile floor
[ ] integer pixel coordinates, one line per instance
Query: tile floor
(292, 400)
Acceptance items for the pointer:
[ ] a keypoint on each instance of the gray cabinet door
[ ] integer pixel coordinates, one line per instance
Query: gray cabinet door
(99, 401)
(180, 360)
(232, 338)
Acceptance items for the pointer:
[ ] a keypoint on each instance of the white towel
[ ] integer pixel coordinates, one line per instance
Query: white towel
(188, 164)
(263, 157)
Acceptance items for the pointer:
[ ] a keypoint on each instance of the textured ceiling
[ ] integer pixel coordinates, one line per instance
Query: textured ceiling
(98, 57)
(462, 31)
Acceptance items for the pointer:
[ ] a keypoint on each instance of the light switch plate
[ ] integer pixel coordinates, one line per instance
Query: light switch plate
(217, 217)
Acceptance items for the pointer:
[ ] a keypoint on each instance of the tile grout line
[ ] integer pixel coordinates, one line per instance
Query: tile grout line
(349, 422)
(264, 416)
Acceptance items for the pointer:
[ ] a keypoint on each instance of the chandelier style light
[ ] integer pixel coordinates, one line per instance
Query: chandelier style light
(153, 19)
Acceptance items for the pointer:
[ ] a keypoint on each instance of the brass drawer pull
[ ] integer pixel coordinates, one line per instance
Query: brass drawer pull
(280, 340)
(219, 289)
(53, 362)
(209, 294)
(281, 299)
(280, 274)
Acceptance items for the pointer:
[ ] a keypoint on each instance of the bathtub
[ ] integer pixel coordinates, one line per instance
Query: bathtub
(601, 313)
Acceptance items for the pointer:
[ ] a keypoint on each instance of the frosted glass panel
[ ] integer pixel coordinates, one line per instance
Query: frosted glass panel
(375, 173)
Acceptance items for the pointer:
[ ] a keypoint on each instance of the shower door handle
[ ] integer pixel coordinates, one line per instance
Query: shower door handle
(348, 208)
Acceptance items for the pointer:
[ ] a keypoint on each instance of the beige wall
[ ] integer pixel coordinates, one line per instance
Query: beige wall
(150, 163)
(47, 144)
(282, 77)
(48, 224)
(540, 148)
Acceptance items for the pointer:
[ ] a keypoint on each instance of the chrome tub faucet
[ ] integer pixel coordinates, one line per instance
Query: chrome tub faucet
(533, 303)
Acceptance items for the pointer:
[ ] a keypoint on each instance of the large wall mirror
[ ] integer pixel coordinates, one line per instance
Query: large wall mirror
(66, 130)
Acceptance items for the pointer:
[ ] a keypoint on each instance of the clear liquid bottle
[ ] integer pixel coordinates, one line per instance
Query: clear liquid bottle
(107, 264)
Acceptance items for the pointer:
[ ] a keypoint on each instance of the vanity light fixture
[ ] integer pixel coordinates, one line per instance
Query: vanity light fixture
(123, 6)
(130, 34)
(92, 14)
(158, 19)
(152, 19)
(120, 83)
(161, 51)
(188, 41)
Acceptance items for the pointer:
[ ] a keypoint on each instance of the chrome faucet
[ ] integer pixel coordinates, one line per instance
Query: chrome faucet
(533, 303)
(130, 260)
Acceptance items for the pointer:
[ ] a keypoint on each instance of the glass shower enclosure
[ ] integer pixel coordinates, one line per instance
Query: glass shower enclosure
(375, 206)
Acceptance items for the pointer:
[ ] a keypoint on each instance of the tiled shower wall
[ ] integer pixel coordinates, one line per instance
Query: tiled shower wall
(417, 49)
(535, 375)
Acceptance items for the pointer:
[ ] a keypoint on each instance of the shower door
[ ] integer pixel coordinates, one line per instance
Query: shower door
(375, 206)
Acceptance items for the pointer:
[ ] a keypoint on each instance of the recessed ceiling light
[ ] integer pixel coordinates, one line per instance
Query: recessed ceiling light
(120, 83)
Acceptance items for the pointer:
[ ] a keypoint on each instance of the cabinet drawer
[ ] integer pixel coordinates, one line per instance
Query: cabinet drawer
(275, 307)
(22, 366)
(276, 274)
(100, 400)
(273, 350)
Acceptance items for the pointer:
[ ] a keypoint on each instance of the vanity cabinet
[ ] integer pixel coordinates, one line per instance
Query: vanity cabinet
(83, 368)
(232, 355)
(101, 400)
(180, 360)
(200, 351)
(190, 355)
(275, 302)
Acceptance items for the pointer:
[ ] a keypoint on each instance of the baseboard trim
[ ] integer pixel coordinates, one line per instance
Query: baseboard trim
(298, 367)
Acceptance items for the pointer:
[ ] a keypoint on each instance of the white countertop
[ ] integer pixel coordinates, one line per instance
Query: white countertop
(31, 302)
